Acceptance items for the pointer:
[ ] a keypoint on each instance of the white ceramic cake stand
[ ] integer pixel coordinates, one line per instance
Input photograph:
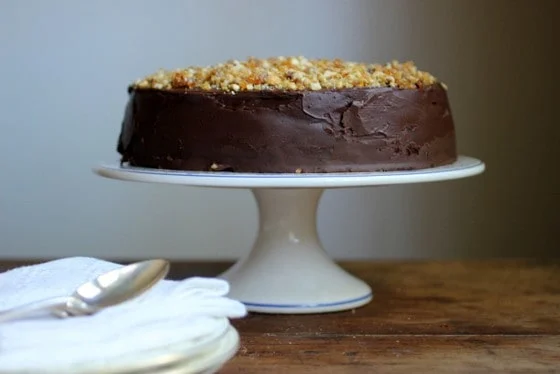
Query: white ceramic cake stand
(288, 271)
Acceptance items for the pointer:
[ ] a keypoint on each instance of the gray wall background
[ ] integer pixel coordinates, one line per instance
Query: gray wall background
(65, 68)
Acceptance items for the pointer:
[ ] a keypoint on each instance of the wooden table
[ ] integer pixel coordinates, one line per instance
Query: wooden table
(459, 317)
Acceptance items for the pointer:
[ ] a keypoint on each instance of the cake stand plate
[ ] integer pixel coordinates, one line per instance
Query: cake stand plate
(287, 270)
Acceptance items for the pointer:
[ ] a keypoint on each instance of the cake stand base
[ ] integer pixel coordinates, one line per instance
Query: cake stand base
(287, 270)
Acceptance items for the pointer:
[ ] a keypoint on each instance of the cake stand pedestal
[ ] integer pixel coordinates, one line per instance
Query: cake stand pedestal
(287, 270)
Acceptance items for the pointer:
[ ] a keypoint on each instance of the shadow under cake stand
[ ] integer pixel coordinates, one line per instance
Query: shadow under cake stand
(287, 270)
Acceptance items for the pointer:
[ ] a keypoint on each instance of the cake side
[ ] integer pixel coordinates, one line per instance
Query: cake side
(350, 130)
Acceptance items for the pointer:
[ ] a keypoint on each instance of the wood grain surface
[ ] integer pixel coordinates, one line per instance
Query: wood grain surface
(426, 317)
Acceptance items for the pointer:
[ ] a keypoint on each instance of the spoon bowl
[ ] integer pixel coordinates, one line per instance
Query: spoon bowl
(122, 284)
(106, 290)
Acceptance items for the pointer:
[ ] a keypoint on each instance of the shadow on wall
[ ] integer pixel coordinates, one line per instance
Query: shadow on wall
(496, 58)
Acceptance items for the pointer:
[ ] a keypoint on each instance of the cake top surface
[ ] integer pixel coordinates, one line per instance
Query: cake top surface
(287, 74)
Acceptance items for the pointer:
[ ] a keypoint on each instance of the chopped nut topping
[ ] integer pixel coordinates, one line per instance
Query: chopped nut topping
(288, 74)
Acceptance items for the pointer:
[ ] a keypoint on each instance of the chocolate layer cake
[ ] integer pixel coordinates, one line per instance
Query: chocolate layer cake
(289, 115)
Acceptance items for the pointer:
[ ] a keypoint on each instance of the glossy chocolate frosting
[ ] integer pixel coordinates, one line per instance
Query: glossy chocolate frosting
(349, 130)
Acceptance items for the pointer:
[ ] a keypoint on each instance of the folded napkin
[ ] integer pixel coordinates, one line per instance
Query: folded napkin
(172, 312)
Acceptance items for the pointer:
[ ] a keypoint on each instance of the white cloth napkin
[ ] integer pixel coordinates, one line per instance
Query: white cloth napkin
(172, 312)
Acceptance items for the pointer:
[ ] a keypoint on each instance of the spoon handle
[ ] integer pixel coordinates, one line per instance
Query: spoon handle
(56, 306)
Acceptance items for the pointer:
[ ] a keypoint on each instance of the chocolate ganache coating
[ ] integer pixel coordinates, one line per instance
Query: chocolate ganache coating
(345, 130)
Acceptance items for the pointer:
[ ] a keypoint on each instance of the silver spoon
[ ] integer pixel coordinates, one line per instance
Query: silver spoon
(108, 289)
